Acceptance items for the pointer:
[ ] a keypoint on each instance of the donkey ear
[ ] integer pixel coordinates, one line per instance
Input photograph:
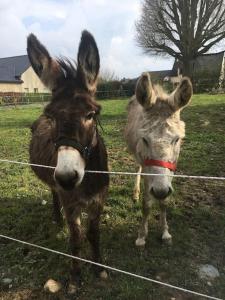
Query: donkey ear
(183, 93)
(144, 91)
(47, 69)
(88, 62)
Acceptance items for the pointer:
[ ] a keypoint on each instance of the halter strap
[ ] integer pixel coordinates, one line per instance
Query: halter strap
(64, 141)
(160, 163)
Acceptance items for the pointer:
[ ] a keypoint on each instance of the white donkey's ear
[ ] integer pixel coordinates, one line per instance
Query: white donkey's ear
(47, 69)
(182, 94)
(144, 91)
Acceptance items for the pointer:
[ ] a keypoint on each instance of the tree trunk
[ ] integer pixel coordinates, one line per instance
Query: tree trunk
(187, 68)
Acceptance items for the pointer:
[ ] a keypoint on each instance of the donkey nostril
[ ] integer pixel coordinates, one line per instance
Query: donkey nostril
(75, 176)
(161, 193)
(67, 181)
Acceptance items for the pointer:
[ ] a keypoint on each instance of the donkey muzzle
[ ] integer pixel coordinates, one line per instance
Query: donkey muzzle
(69, 171)
(161, 193)
(67, 181)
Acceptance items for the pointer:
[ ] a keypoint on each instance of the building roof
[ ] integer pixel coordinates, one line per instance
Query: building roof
(160, 75)
(204, 65)
(11, 68)
(156, 76)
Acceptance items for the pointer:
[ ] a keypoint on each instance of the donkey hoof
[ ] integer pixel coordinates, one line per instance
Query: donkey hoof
(56, 223)
(103, 275)
(135, 199)
(168, 242)
(140, 242)
(167, 238)
(136, 196)
(72, 289)
(57, 220)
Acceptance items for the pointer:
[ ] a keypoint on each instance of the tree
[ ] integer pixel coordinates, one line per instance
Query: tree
(108, 83)
(183, 29)
(107, 75)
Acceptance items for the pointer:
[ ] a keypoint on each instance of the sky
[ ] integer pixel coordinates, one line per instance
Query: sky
(58, 25)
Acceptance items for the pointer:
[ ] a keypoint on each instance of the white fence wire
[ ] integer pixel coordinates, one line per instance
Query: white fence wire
(120, 173)
(111, 268)
(102, 265)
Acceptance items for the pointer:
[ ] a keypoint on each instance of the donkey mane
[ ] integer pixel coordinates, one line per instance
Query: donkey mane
(160, 92)
(68, 67)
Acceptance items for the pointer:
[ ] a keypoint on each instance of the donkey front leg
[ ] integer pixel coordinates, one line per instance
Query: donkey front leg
(166, 236)
(73, 221)
(93, 235)
(136, 192)
(57, 217)
(143, 229)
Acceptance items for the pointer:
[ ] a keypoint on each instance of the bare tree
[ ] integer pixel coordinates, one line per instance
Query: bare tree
(184, 29)
(107, 75)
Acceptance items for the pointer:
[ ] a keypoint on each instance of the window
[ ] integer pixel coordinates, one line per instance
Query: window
(26, 90)
(35, 90)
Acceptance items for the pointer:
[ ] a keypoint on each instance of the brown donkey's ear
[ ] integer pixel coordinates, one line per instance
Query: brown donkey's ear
(88, 62)
(144, 92)
(183, 93)
(44, 66)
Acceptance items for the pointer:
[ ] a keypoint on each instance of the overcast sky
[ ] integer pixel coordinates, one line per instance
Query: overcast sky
(58, 25)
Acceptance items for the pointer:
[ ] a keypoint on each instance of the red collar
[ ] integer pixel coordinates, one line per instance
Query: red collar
(160, 163)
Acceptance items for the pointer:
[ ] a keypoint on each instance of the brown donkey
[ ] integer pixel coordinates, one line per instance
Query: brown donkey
(66, 137)
(153, 133)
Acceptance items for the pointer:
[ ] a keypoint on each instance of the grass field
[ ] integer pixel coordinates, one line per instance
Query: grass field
(196, 214)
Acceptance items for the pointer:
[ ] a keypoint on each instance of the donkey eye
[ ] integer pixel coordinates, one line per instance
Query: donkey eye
(176, 140)
(145, 141)
(90, 115)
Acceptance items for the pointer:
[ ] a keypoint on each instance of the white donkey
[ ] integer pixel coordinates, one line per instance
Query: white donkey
(153, 133)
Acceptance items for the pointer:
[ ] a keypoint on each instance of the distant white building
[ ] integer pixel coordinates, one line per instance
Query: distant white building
(17, 76)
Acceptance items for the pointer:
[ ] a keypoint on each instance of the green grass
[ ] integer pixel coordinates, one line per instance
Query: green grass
(196, 213)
